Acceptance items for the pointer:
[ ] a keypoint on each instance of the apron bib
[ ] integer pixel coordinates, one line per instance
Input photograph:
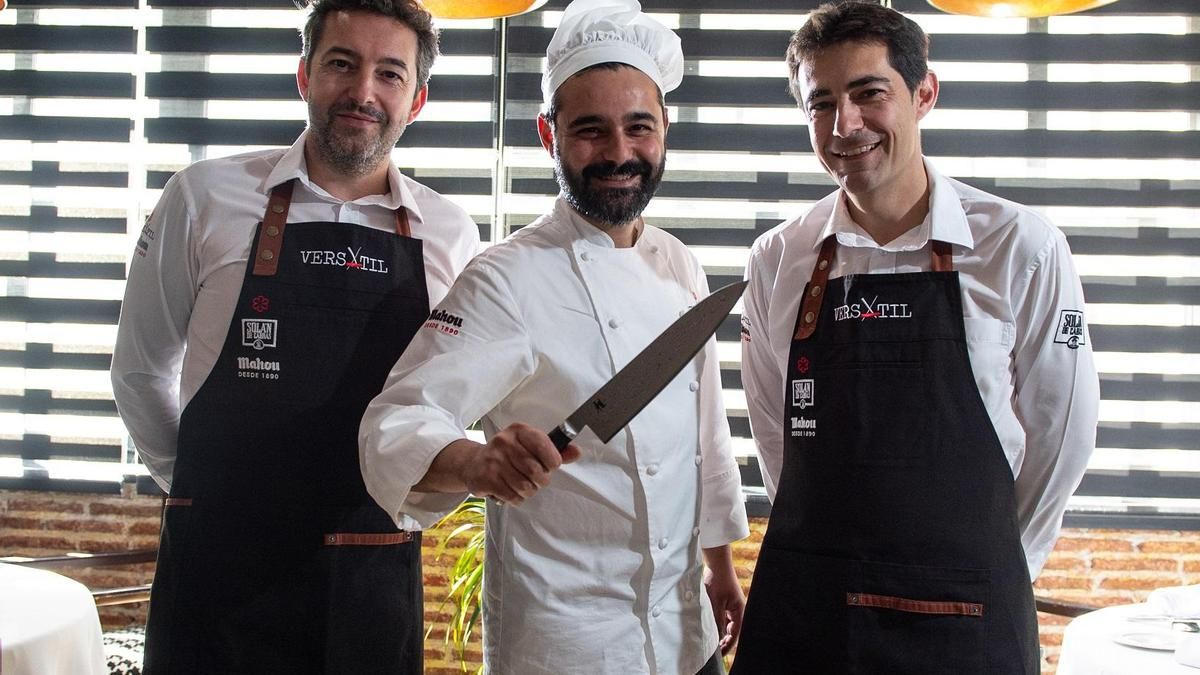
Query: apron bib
(273, 558)
(893, 545)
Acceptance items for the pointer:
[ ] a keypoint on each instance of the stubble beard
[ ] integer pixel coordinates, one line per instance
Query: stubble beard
(353, 154)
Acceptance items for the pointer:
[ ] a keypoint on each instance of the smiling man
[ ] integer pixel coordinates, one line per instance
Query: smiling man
(268, 296)
(920, 386)
(595, 560)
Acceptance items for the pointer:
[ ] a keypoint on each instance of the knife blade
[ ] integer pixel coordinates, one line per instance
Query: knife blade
(634, 386)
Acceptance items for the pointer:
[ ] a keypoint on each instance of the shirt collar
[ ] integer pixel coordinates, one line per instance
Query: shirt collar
(581, 229)
(293, 165)
(945, 221)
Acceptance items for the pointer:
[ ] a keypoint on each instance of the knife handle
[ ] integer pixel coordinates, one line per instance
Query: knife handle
(560, 438)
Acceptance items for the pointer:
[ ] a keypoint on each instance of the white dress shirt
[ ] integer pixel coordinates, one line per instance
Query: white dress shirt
(1018, 287)
(187, 272)
(600, 571)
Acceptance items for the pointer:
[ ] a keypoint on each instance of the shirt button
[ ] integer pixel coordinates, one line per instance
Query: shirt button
(613, 323)
(652, 469)
(654, 249)
(662, 543)
(688, 596)
(657, 611)
(695, 532)
(698, 460)
(585, 256)
(693, 385)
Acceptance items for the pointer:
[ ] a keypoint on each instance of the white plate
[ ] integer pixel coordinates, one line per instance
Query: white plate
(1158, 641)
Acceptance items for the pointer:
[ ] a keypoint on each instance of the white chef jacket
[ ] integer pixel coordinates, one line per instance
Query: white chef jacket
(600, 571)
(1018, 285)
(187, 272)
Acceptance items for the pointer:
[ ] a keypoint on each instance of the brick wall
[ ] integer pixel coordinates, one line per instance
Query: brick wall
(1097, 567)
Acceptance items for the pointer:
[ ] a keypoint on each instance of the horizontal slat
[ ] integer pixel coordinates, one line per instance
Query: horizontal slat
(43, 356)
(46, 219)
(219, 86)
(262, 132)
(51, 39)
(74, 85)
(46, 174)
(223, 40)
(45, 128)
(41, 310)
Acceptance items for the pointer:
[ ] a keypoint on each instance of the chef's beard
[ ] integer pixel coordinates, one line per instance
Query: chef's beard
(353, 154)
(611, 207)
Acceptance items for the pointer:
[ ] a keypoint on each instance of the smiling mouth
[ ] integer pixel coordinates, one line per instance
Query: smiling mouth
(855, 152)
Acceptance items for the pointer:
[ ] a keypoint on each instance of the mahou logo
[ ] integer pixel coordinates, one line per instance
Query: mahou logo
(351, 259)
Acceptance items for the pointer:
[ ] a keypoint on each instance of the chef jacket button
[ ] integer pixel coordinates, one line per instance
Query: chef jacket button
(585, 256)
(656, 612)
(277, 208)
(272, 231)
(613, 323)
(662, 543)
(654, 249)
(267, 254)
(808, 317)
(698, 460)
(823, 264)
(695, 532)
(693, 385)
(689, 596)
(816, 290)
(652, 469)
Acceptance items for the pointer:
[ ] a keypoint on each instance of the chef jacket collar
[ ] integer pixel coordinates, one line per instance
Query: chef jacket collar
(293, 165)
(581, 229)
(945, 221)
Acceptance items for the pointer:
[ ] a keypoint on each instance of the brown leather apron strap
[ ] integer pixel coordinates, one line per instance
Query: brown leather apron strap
(363, 539)
(270, 237)
(177, 501)
(810, 308)
(943, 257)
(402, 227)
(914, 606)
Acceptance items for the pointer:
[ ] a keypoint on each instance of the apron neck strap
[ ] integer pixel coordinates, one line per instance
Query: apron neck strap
(810, 307)
(270, 237)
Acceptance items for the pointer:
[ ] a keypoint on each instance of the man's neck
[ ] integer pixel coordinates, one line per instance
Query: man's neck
(886, 217)
(347, 187)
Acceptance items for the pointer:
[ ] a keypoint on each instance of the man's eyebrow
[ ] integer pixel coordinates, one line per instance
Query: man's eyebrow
(585, 120)
(853, 84)
(640, 115)
(399, 63)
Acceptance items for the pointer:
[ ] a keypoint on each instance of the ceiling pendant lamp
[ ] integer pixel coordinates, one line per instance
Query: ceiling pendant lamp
(1022, 8)
(480, 9)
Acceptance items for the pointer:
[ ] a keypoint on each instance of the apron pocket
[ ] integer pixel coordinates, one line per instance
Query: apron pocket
(918, 620)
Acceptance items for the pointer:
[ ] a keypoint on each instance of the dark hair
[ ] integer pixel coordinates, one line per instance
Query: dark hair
(551, 111)
(408, 12)
(856, 21)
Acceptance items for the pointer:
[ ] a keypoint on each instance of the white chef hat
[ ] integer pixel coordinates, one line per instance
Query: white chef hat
(600, 31)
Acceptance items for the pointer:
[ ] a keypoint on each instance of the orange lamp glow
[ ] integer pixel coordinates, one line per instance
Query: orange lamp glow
(1023, 8)
(479, 9)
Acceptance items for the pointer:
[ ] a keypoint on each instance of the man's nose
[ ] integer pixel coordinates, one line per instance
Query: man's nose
(848, 119)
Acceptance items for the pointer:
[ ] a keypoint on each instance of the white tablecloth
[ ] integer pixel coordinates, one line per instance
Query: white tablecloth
(1091, 644)
(48, 625)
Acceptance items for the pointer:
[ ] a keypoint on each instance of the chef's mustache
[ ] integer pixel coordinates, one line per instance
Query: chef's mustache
(633, 167)
(352, 107)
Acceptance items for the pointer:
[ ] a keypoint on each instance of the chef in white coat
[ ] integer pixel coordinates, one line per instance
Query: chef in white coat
(595, 559)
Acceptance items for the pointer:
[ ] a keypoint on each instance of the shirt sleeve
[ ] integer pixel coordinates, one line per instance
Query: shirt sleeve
(1057, 396)
(722, 506)
(761, 378)
(152, 331)
(462, 362)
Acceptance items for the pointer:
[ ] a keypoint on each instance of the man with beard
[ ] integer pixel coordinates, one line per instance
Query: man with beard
(595, 559)
(271, 337)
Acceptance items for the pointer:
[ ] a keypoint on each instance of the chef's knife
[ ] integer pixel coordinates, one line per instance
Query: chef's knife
(635, 385)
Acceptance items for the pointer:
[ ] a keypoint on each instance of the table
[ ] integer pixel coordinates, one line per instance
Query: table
(48, 625)
(1090, 644)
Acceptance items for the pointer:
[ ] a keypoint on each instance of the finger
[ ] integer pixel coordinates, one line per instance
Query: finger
(571, 453)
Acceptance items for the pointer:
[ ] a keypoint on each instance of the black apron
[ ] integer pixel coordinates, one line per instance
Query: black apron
(893, 546)
(273, 558)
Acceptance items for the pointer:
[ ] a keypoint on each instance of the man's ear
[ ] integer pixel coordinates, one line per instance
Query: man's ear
(302, 79)
(418, 103)
(545, 134)
(926, 94)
